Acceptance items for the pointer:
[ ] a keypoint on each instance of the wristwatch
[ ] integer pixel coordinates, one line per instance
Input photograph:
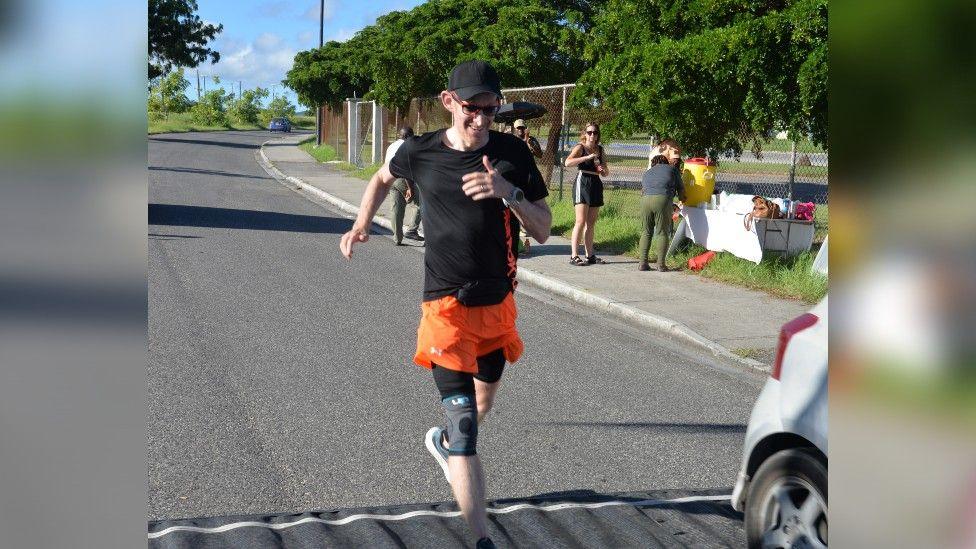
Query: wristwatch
(515, 199)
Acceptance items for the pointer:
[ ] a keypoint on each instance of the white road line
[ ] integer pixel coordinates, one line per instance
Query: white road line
(445, 514)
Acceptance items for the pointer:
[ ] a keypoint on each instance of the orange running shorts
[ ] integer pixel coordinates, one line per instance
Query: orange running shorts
(454, 336)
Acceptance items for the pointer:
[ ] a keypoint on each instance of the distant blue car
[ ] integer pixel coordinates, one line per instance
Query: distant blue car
(280, 125)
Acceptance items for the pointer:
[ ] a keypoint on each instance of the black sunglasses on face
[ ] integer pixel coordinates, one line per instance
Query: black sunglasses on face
(469, 109)
(589, 132)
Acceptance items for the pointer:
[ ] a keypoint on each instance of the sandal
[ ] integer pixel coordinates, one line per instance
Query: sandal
(578, 261)
(593, 259)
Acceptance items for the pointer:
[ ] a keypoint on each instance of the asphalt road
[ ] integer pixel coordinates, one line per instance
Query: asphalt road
(280, 377)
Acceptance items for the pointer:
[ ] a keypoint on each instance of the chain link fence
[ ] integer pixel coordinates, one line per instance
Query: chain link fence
(783, 169)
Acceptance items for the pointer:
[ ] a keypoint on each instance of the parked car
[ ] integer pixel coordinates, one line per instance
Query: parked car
(782, 483)
(280, 125)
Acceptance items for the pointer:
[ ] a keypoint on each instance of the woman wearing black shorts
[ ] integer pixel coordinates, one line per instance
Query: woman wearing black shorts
(589, 159)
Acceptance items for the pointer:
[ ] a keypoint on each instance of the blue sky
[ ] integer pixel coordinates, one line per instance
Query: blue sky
(261, 37)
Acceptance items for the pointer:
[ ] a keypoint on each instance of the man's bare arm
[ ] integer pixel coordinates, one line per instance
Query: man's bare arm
(535, 217)
(376, 191)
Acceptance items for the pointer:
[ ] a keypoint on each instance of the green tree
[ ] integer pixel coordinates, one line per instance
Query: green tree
(177, 36)
(409, 54)
(329, 75)
(246, 109)
(278, 107)
(167, 95)
(210, 110)
(717, 75)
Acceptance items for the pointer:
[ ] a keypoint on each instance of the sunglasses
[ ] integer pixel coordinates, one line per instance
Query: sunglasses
(589, 132)
(472, 110)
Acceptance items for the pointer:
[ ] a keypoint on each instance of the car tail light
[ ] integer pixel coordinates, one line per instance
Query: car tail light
(786, 333)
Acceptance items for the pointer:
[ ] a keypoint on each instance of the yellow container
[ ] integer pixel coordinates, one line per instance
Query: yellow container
(699, 179)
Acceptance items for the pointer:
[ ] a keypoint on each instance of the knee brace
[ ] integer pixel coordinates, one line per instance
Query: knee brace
(461, 411)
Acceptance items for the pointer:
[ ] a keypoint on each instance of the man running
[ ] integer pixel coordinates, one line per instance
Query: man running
(471, 180)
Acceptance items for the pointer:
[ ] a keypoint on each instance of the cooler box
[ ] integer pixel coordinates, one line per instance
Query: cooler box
(699, 179)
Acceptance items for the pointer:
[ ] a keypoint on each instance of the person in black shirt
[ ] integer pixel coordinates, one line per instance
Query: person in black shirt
(471, 181)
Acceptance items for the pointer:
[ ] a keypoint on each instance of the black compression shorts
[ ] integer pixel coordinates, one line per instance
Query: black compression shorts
(452, 382)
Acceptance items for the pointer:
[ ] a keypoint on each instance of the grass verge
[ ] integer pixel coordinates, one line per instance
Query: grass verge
(303, 122)
(326, 153)
(618, 231)
(182, 122)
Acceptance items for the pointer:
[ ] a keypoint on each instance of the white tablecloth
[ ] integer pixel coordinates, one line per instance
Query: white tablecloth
(722, 231)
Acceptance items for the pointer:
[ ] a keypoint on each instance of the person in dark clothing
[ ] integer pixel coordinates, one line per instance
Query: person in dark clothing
(472, 180)
(660, 184)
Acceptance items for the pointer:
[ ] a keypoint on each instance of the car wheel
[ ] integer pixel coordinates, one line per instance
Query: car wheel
(787, 502)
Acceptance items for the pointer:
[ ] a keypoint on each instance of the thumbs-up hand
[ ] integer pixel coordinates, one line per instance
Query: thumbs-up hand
(487, 184)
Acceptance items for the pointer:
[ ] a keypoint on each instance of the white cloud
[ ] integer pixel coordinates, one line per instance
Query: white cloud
(261, 63)
(267, 41)
(312, 13)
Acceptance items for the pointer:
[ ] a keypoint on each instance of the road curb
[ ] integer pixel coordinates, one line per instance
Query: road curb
(659, 324)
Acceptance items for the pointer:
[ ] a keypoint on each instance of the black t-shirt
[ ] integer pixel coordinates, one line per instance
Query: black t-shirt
(590, 165)
(466, 239)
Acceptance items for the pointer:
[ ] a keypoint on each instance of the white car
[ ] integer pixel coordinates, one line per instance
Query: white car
(782, 484)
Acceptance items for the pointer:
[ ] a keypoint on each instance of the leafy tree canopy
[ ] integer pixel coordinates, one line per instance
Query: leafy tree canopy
(177, 36)
(247, 108)
(167, 95)
(713, 74)
(279, 106)
(409, 54)
(211, 109)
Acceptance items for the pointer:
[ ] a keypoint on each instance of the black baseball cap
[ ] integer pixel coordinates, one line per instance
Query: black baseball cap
(473, 77)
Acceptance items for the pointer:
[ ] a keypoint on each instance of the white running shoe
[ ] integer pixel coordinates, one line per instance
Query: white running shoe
(432, 440)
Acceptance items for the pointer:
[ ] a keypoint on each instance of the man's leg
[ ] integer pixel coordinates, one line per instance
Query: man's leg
(399, 206)
(457, 391)
(414, 223)
(468, 485)
(490, 368)
(485, 393)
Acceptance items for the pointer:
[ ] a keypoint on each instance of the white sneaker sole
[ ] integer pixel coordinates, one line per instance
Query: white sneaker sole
(429, 443)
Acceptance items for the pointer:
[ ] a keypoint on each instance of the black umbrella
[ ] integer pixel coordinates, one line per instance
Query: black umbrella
(510, 112)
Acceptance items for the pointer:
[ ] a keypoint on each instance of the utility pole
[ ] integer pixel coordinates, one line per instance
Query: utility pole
(205, 83)
(318, 108)
(198, 85)
(240, 88)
